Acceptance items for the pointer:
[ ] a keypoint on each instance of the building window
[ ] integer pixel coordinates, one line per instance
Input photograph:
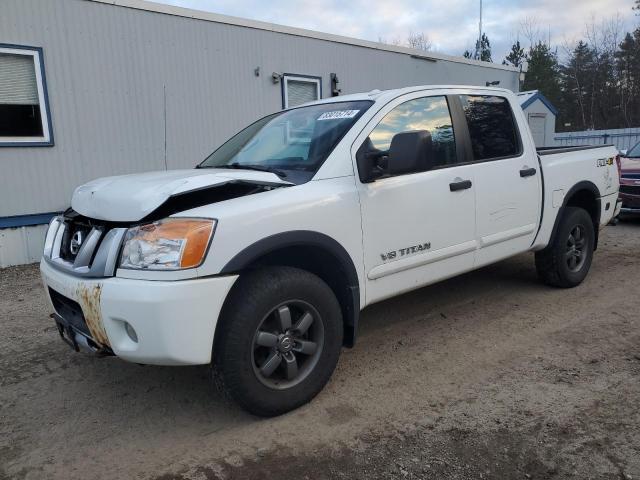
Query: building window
(299, 89)
(24, 112)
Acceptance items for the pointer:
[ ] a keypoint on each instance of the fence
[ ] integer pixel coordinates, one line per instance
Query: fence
(623, 138)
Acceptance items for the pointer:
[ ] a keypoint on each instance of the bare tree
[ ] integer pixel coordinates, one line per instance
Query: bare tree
(530, 28)
(396, 42)
(419, 41)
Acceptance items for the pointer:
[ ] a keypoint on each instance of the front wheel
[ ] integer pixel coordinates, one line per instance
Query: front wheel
(565, 262)
(279, 340)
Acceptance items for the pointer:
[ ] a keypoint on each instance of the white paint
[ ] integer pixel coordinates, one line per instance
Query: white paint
(300, 32)
(538, 125)
(21, 245)
(129, 198)
(496, 218)
(174, 321)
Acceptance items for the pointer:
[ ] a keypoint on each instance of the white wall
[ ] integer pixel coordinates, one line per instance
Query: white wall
(21, 245)
(539, 108)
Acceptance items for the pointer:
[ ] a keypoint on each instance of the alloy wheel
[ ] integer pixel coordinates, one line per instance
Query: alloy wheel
(287, 344)
(575, 254)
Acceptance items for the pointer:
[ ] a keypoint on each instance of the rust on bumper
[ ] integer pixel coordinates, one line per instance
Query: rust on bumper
(89, 299)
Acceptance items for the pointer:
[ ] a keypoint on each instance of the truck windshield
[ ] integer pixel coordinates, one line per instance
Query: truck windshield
(292, 144)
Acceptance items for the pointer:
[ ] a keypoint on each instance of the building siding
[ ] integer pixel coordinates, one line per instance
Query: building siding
(119, 78)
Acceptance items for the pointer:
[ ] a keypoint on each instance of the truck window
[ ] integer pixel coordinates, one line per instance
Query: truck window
(295, 141)
(491, 126)
(427, 113)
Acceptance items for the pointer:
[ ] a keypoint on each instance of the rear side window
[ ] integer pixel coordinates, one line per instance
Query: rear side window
(491, 126)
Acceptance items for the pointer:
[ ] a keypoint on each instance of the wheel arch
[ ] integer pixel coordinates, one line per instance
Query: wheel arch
(314, 252)
(585, 195)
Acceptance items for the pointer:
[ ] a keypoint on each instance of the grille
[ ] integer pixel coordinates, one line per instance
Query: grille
(69, 310)
(630, 189)
(78, 230)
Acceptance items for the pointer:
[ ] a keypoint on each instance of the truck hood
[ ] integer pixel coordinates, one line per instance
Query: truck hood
(129, 198)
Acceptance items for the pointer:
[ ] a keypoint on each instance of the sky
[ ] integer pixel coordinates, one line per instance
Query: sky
(451, 25)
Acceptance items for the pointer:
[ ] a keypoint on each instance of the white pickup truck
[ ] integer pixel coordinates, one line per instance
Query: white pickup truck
(260, 259)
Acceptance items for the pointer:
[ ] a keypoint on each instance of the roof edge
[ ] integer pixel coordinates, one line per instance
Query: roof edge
(300, 32)
(538, 96)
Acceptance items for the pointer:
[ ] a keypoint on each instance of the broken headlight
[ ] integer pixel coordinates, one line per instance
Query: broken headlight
(169, 244)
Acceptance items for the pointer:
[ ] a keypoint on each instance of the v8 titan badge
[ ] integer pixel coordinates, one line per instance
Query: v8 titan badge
(405, 252)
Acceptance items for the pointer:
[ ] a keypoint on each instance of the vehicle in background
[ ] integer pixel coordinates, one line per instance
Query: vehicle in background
(260, 260)
(630, 181)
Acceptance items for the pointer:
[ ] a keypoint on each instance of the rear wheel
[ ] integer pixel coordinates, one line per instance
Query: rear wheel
(566, 261)
(279, 340)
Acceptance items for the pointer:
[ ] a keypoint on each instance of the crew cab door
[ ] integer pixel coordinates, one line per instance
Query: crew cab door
(507, 177)
(418, 223)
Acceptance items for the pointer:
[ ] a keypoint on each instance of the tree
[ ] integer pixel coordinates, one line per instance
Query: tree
(627, 70)
(637, 7)
(543, 72)
(516, 56)
(483, 49)
(578, 75)
(419, 41)
(467, 54)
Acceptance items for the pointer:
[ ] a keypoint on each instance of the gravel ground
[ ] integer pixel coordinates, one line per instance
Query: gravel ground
(488, 375)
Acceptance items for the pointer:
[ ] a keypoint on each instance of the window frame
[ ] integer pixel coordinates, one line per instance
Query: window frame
(46, 140)
(286, 77)
(461, 140)
(464, 126)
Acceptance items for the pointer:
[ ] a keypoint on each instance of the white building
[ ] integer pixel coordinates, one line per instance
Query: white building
(92, 88)
(541, 115)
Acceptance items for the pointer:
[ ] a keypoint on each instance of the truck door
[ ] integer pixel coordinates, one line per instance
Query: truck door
(418, 225)
(508, 180)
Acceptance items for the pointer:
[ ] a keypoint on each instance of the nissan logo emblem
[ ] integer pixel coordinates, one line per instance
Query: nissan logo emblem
(76, 242)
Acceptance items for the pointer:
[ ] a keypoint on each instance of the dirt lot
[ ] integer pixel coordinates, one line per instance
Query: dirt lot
(489, 375)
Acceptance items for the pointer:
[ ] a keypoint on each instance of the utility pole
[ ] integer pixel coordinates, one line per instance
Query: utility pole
(479, 44)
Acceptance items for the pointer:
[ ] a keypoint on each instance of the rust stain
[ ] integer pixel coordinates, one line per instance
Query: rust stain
(89, 299)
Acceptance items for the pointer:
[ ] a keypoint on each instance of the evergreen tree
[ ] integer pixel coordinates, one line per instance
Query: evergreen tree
(627, 72)
(543, 73)
(483, 49)
(516, 56)
(578, 73)
(467, 54)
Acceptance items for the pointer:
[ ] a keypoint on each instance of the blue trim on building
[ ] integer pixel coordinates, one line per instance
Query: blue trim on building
(543, 99)
(45, 93)
(27, 220)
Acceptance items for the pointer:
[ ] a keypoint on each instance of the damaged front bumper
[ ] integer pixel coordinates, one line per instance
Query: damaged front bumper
(142, 321)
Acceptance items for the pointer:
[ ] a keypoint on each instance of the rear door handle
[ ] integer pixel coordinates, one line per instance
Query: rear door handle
(460, 185)
(527, 172)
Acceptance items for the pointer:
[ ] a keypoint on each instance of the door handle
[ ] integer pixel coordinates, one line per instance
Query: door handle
(527, 172)
(460, 185)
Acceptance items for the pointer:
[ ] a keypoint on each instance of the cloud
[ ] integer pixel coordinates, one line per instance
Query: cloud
(451, 26)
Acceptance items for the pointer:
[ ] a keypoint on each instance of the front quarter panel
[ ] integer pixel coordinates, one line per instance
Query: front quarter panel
(328, 206)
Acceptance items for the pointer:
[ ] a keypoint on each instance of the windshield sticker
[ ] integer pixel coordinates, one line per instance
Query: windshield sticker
(338, 114)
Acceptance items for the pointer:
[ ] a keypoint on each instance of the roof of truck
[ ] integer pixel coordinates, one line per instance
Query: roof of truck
(376, 95)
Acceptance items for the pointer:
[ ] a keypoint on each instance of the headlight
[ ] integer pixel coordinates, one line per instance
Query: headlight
(169, 244)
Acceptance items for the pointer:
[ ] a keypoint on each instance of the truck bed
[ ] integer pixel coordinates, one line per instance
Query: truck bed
(576, 148)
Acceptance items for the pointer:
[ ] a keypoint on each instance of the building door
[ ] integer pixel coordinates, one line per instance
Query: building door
(538, 126)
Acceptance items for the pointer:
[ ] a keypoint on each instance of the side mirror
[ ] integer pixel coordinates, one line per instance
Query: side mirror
(410, 152)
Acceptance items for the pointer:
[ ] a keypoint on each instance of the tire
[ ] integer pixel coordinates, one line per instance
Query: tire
(565, 262)
(253, 349)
